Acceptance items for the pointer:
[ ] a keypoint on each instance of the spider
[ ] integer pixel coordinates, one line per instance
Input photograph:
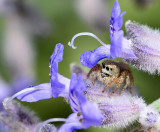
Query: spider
(112, 72)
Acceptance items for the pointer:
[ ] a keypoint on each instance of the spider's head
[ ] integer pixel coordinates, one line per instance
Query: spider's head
(109, 69)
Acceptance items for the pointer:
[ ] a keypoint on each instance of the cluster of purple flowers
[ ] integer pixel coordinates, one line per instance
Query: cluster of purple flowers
(90, 106)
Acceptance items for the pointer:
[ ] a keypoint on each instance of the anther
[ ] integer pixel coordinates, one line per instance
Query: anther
(81, 120)
(79, 114)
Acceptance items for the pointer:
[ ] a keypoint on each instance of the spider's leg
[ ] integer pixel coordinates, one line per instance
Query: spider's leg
(131, 86)
(106, 79)
(131, 82)
(125, 86)
(118, 83)
(99, 75)
(93, 80)
(109, 84)
(92, 72)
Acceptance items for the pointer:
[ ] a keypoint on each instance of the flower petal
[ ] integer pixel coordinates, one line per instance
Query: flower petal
(116, 10)
(39, 92)
(148, 117)
(91, 58)
(58, 82)
(145, 43)
(118, 22)
(77, 87)
(71, 124)
(116, 44)
(127, 50)
(91, 114)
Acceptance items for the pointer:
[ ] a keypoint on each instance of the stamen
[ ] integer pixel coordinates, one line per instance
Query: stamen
(39, 128)
(5, 103)
(82, 34)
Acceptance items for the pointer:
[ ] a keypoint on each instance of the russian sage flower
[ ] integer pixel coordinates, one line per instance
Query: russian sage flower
(140, 47)
(17, 118)
(145, 43)
(148, 117)
(120, 47)
(90, 106)
(72, 90)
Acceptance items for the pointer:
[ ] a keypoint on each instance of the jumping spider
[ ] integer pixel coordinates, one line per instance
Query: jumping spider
(112, 72)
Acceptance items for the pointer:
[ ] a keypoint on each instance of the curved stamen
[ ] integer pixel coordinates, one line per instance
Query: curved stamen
(39, 128)
(19, 93)
(82, 34)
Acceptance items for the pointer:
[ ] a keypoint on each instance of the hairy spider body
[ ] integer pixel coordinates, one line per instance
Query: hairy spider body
(112, 72)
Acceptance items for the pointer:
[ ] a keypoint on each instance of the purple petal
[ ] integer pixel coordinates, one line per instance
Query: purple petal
(149, 117)
(71, 124)
(41, 92)
(118, 22)
(76, 86)
(117, 35)
(91, 115)
(116, 44)
(127, 50)
(116, 10)
(66, 82)
(57, 56)
(146, 45)
(90, 112)
(90, 58)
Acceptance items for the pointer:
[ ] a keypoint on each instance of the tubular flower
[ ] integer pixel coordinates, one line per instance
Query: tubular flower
(120, 46)
(90, 106)
(145, 43)
(118, 110)
(58, 86)
(149, 117)
(86, 113)
(17, 118)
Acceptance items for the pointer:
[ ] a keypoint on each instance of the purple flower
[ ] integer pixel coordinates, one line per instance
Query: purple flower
(116, 35)
(58, 82)
(59, 85)
(145, 43)
(90, 106)
(86, 113)
(148, 117)
(17, 118)
(90, 58)
(119, 47)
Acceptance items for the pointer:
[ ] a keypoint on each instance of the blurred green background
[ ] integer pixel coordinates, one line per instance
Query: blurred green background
(65, 24)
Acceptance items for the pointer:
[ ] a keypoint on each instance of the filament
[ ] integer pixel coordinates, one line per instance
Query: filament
(39, 128)
(82, 34)
(19, 93)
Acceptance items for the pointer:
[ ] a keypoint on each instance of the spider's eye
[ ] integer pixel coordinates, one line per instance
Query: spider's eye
(107, 68)
(111, 69)
(103, 65)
